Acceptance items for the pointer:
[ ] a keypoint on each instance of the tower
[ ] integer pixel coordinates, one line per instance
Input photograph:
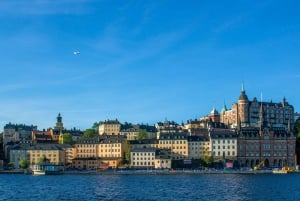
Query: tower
(243, 108)
(59, 125)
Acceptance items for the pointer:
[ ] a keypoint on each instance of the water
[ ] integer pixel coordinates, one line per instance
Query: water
(150, 187)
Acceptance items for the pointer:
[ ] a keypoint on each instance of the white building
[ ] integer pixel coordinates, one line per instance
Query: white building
(223, 144)
(144, 157)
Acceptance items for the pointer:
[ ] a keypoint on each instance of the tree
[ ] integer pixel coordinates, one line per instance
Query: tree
(66, 138)
(10, 165)
(207, 160)
(297, 128)
(24, 163)
(141, 135)
(128, 152)
(96, 126)
(42, 159)
(88, 133)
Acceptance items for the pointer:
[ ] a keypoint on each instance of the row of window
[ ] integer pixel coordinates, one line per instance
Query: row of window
(224, 153)
(223, 141)
(266, 146)
(101, 145)
(224, 147)
(172, 142)
(143, 163)
(143, 154)
(152, 158)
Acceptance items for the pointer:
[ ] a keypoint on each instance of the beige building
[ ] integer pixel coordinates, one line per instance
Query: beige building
(110, 127)
(104, 150)
(199, 147)
(163, 159)
(53, 152)
(176, 142)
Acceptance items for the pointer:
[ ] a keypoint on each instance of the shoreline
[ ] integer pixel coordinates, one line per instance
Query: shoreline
(149, 172)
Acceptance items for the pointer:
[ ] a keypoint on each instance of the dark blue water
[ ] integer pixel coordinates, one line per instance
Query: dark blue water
(150, 187)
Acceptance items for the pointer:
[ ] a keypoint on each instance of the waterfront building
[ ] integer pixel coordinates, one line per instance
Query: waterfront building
(110, 127)
(86, 148)
(143, 157)
(163, 159)
(272, 146)
(18, 152)
(90, 163)
(108, 149)
(112, 146)
(176, 142)
(198, 146)
(223, 144)
(53, 152)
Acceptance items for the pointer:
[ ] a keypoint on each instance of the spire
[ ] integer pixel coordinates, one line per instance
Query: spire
(224, 109)
(243, 88)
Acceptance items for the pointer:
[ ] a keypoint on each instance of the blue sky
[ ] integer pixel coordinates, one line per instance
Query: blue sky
(143, 61)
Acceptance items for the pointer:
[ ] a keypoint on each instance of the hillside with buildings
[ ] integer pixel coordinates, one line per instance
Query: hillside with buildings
(250, 133)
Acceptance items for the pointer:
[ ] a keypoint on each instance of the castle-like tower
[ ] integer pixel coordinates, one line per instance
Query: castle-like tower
(59, 125)
(245, 113)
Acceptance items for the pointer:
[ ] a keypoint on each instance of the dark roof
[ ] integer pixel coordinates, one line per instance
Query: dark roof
(243, 96)
(173, 136)
(143, 150)
(144, 141)
(197, 138)
(102, 139)
(20, 126)
(222, 133)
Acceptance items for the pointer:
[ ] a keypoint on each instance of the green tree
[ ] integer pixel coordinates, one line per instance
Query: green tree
(24, 163)
(141, 135)
(207, 160)
(66, 138)
(297, 128)
(10, 165)
(42, 160)
(88, 133)
(96, 126)
(127, 152)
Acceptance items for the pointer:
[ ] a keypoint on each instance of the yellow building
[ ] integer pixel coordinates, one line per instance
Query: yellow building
(110, 127)
(107, 150)
(176, 142)
(53, 152)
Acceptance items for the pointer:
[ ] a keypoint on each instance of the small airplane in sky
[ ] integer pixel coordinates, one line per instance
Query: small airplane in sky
(76, 52)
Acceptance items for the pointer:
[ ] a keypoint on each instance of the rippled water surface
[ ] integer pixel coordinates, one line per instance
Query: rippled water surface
(150, 187)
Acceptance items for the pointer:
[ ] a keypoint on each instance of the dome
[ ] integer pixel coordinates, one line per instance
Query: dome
(243, 96)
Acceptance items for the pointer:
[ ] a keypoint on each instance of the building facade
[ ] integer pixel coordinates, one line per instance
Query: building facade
(275, 147)
(110, 127)
(247, 113)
